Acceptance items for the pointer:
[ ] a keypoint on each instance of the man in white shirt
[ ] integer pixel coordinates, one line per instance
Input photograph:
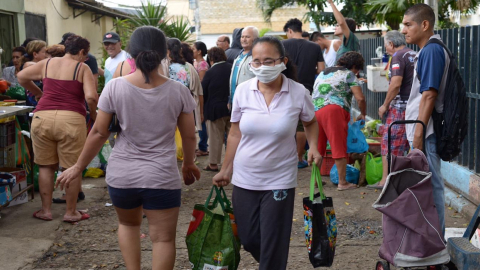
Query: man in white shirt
(113, 46)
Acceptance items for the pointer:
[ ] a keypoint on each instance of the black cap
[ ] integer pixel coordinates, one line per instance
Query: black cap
(111, 37)
(65, 37)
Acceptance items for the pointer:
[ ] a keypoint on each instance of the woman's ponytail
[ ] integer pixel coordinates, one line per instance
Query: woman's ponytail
(147, 61)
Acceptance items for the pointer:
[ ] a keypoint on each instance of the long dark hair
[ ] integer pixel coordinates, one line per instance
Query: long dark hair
(187, 53)
(291, 71)
(200, 46)
(175, 47)
(148, 47)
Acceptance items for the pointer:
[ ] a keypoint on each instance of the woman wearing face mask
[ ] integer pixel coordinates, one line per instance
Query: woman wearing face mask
(261, 147)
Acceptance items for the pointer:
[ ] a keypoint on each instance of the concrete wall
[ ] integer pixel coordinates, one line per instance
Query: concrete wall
(81, 25)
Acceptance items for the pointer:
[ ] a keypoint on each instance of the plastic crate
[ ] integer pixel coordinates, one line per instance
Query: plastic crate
(7, 134)
(327, 164)
(7, 156)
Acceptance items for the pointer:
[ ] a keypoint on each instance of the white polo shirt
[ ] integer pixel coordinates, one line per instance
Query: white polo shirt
(266, 158)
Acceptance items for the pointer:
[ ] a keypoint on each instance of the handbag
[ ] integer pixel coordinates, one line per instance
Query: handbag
(114, 124)
(212, 239)
(320, 224)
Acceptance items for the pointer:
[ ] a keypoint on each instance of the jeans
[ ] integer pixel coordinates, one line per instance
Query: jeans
(434, 163)
(203, 143)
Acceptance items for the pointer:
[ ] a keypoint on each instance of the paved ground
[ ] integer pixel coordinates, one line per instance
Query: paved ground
(28, 243)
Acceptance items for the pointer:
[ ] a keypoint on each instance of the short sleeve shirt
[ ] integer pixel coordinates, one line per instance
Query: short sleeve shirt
(350, 45)
(91, 62)
(306, 55)
(145, 153)
(179, 73)
(431, 69)
(200, 66)
(402, 64)
(333, 86)
(266, 158)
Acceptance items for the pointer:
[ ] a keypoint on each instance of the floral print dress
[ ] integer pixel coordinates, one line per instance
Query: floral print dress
(179, 73)
(333, 86)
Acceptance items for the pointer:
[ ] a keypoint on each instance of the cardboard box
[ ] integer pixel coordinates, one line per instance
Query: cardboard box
(21, 184)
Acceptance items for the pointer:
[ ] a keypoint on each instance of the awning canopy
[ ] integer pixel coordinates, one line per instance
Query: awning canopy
(96, 8)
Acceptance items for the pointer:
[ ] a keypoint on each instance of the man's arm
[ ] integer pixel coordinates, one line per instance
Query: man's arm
(427, 104)
(320, 67)
(393, 90)
(340, 20)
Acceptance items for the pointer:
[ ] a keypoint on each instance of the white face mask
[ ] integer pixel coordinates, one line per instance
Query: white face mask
(266, 74)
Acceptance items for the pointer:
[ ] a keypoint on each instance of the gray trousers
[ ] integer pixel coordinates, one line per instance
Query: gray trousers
(264, 223)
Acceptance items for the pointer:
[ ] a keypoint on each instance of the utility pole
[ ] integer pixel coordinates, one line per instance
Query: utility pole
(434, 5)
(196, 16)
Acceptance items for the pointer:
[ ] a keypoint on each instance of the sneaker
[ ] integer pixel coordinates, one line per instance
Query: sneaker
(302, 164)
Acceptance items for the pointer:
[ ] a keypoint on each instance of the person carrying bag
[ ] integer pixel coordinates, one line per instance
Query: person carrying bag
(212, 239)
(320, 223)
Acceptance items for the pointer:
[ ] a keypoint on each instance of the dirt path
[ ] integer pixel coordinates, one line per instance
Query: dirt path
(92, 244)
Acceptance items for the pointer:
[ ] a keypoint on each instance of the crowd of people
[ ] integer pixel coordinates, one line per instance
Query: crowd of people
(262, 99)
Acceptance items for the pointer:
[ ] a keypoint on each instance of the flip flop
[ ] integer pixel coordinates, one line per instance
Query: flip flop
(201, 153)
(83, 217)
(347, 188)
(208, 168)
(35, 215)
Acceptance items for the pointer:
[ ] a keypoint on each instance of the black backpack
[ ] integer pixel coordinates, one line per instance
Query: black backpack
(451, 125)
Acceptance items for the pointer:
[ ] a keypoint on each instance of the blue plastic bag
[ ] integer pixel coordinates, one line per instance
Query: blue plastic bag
(356, 141)
(353, 174)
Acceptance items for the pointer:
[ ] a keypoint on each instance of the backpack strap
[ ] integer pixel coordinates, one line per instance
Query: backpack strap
(439, 42)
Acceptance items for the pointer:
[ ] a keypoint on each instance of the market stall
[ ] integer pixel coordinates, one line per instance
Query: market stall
(13, 176)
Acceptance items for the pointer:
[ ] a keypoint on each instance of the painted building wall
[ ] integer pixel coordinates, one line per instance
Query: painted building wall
(63, 21)
(223, 16)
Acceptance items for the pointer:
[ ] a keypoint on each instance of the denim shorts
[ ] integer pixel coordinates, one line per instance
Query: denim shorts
(150, 199)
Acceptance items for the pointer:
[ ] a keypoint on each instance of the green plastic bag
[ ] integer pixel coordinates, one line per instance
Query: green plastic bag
(36, 186)
(212, 240)
(16, 92)
(373, 169)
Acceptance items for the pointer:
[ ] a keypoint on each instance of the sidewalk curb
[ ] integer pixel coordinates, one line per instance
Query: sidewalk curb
(459, 203)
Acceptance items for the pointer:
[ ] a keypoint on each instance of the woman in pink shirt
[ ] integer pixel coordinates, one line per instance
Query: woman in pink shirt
(261, 153)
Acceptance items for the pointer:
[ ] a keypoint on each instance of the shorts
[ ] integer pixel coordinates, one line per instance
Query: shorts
(150, 199)
(58, 136)
(300, 127)
(333, 127)
(399, 142)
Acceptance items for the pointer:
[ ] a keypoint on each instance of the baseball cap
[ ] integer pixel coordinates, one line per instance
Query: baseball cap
(111, 37)
(65, 37)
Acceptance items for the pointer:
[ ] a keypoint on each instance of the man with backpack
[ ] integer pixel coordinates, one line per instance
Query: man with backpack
(427, 93)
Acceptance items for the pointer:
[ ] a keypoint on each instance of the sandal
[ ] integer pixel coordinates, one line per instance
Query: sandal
(210, 169)
(35, 215)
(83, 217)
(201, 153)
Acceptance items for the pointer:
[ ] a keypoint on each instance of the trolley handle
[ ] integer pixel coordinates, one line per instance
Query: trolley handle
(403, 122)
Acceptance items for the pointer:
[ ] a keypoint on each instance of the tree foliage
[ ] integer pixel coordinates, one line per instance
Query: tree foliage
(366, 12)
